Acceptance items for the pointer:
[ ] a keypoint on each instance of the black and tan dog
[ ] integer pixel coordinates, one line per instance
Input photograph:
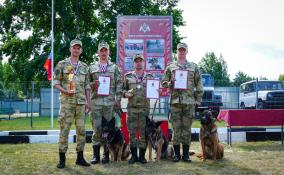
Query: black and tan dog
(115, 141)
(156, 140)
(209, 140)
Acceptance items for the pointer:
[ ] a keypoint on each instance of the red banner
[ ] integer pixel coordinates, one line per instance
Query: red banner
(147, 35)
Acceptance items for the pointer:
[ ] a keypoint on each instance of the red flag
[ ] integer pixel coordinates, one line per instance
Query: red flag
(47, 66)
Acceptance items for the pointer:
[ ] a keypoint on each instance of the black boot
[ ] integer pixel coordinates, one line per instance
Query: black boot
(185, 153)
(80, 159)
(142, 155)
(96, 156)
(106, 155)
(62, 159)
(177, 153)
(134, 157)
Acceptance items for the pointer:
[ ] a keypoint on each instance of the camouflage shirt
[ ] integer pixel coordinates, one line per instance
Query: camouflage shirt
(80, 79)
(195, 87)
(136, 85)
(116, 83)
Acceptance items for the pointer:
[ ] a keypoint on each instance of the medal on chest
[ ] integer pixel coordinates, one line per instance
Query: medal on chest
(139, 81)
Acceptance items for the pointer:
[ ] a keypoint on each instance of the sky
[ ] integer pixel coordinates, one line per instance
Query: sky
(248, 33)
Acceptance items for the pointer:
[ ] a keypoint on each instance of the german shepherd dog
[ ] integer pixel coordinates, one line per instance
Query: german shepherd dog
(156, 140)
(115, 141)
(208, 136)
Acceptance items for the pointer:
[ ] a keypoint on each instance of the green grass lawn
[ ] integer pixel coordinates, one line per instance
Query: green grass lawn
(43, 123)
(243, 158)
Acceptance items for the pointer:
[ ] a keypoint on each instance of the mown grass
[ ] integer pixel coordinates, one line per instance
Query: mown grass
(242, 158)
(43, 123)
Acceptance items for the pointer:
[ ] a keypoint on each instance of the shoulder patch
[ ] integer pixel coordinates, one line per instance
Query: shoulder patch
(128, 74)
(84, 64)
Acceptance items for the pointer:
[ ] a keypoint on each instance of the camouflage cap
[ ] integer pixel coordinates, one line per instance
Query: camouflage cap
(103, 44)
(75, 42)
(136, 56)
(182, 45)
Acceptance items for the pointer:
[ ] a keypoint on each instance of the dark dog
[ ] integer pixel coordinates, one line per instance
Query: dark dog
(211, 148)
(114, 140)
(156, 140)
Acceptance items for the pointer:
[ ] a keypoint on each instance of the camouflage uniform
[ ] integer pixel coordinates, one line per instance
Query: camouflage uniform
(72, 107)
(138, 107)
(103, 106)
(182, 103)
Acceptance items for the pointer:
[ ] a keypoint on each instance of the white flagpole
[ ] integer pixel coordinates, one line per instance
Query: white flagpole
(52, 57)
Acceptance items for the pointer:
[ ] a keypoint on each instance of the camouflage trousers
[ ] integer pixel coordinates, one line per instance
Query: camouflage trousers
(96, 119)
(136, 121)
(68, 113)
(181, 118)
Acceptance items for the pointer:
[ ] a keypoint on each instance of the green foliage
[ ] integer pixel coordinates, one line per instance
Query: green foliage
(241, 78)
(10, 86)
(217, 67)
(281, 78)
(91, 21)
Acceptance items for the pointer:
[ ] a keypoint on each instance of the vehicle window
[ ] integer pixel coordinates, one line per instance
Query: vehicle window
(242, 88)
(270, 86)
(250, 87)
(207, 80)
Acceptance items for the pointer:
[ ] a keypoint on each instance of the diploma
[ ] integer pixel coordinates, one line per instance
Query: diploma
(181, 79)
(104, 86)
(152, 89)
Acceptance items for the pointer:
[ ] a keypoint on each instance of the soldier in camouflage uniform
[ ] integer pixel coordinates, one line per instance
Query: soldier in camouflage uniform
(103, 106)
(72, 80)
(183, 102)
(134, 88)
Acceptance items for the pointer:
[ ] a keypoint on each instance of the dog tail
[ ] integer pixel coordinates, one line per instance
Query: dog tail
(125, 152)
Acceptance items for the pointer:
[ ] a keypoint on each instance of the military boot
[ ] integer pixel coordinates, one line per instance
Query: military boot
(185, 153)
(177, 153)
(142, 155)
(80, 159)
(62, 159)
(134, 157)
(106, 155)
(96, 156)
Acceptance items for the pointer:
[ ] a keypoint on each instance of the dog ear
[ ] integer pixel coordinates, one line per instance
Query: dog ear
(104, 120)
(112, 121)
(205, 112)
(215, 113)
(147, 119)
(158, 123)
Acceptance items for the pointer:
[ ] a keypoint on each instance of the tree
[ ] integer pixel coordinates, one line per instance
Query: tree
(217, 67)
(241, 78)
(281, 78)
(91, 21)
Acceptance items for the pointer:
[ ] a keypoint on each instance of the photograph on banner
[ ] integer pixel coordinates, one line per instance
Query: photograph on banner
(133, 46)
(157, 75)
(155, 63)
(156, 46)
(128, 63)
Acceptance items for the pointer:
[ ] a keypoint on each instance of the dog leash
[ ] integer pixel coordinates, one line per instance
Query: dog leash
(154, 108)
